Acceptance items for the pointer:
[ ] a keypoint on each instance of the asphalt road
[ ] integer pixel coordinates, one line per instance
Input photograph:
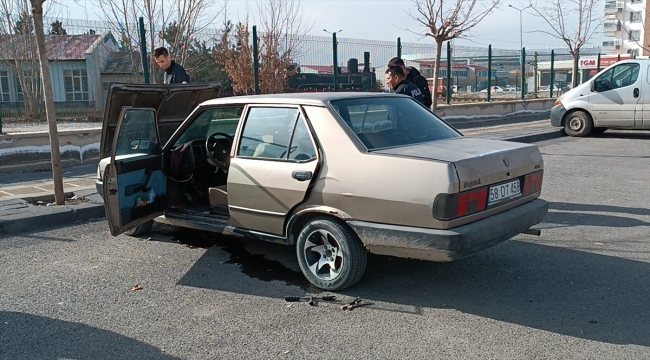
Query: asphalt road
(580, 290)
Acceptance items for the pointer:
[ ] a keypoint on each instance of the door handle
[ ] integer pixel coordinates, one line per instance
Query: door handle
(302, 175)
(636, 92)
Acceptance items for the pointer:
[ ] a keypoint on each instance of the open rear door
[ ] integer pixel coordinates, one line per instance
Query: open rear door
(135, 188)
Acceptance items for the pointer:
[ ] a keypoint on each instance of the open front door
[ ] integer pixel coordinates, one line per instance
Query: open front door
(134, 184)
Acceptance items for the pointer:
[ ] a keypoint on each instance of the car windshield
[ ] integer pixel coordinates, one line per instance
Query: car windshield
(382, 122)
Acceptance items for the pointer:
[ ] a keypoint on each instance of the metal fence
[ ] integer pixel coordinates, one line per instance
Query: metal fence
(477, 73)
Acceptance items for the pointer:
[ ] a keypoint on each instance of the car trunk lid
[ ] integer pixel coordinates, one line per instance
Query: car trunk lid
(478, 162)
(173, 103)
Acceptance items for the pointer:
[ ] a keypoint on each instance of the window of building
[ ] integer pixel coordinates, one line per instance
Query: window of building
(635, 16)
(4, 86)
(635, 35)
(637, 1)
(76, 85)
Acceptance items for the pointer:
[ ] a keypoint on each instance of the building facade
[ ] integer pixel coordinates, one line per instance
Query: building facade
(625, 26)
(77, 65)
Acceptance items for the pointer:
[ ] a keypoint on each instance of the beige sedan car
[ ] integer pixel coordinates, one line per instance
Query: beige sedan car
(333, 174)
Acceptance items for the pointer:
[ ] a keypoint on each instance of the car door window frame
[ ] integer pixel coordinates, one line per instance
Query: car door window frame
(610, 74)
(120, 125)
(195, 114)
(301, 113)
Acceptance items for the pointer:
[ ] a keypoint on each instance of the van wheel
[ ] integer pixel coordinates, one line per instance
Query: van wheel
(141, 229)
(330, 254)
(578, 123)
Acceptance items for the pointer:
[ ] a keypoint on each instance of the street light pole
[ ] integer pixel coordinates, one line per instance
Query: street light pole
(334, 58)
(521, 31)
(522, 60)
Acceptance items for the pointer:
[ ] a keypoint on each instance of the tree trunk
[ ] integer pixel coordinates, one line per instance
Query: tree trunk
(436, 73)
(48, 97)
(574, 77)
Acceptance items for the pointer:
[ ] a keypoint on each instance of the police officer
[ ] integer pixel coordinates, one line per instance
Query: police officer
(397, 81)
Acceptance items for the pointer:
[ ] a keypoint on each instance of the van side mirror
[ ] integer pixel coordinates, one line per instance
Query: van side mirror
(592, 86)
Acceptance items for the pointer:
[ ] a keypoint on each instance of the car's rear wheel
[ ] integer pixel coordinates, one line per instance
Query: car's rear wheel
(330, 254)
(141, 229)
(578, 123)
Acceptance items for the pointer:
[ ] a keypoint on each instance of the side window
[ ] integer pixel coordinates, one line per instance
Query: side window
(267, 132)
(625, 75)
(138, 133)
(618, 77)
(603, 82)
(210, 121)
(302, 148)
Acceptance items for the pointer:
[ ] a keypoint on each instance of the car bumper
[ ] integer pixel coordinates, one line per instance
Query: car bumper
(557, 114)
(99, 185)
(452, 244)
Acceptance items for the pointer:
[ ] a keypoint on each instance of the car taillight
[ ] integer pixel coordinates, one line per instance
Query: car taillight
(533, 183)
(452, 206)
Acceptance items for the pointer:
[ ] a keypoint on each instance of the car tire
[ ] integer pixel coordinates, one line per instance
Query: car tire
(141, 229)
(578, 123)
(330, 254)
(598, 130)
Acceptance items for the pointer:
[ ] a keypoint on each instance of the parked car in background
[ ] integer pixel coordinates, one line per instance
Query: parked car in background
(495, 89)
(309, 171)
(617, 97)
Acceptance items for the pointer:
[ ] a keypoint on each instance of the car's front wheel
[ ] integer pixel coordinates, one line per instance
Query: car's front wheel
(330, 254)
(140, 229)
(578, 123)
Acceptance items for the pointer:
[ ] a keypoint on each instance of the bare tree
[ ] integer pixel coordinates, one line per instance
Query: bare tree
(283, 28)
(48, 96)
(20, 52)
(179, 24)
(560, 15)
(446, 20)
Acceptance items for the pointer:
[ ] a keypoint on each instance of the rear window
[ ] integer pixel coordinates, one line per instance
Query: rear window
(383, 122)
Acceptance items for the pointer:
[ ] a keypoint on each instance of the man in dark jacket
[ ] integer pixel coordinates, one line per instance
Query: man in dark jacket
(413, 75)
(174, 73)
(397, 81)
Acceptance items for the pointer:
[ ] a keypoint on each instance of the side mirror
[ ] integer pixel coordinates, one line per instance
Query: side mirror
(592, 86)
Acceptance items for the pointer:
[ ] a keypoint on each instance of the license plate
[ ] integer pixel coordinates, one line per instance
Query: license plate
(504, 192)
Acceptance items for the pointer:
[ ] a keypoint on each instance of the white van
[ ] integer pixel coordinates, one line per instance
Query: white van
(618, 97)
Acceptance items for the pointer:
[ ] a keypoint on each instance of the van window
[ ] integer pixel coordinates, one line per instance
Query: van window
(618, 77)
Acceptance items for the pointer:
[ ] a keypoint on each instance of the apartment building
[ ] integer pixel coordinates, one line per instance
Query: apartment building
(625, 22)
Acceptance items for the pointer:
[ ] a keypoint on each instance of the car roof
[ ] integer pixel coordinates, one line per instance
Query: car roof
(315, 99)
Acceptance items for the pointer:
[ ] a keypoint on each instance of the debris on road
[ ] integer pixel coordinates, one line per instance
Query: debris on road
(136, 288)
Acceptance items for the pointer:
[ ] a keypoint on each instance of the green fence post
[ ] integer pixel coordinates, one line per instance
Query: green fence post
(619, 57)
(489, 77)
(552, 73)
(256, 62)
(0, 121)
(598, 64)
(523, 73)
(535, 72)
(449, 72)
(399, 47)
(335, 61)
(143, 50)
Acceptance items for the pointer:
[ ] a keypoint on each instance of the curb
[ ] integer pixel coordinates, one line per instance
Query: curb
(49, 217)
(537, 137)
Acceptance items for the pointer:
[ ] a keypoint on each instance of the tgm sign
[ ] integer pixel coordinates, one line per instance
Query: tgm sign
(592, 63)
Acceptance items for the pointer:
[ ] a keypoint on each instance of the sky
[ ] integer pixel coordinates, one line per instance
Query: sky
(387, 20)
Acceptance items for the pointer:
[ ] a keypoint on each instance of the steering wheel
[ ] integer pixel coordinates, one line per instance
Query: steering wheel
(217, 152)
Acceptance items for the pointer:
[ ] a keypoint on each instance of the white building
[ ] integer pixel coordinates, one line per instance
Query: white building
(625, 24)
